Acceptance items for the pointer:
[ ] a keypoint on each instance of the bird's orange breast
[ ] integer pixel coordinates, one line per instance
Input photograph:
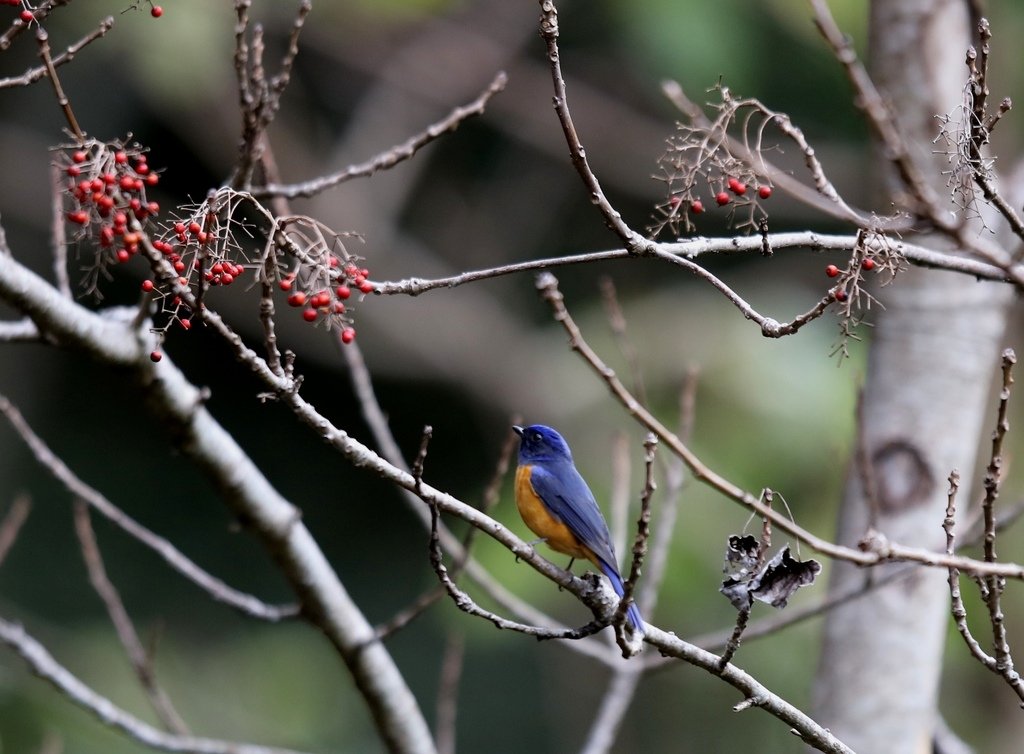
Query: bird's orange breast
(538, 518)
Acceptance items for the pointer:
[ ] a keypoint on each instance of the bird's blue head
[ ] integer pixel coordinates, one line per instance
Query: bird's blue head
(540, 443)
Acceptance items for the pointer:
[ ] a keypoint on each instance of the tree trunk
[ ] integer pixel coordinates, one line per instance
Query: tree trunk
(925, 403)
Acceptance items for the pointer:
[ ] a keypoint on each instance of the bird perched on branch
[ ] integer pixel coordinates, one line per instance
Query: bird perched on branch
(558, 506)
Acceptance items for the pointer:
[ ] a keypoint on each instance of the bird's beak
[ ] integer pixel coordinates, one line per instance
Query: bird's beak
(517, 429)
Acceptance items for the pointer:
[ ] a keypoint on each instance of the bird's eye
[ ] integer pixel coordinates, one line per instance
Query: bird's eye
(535, 437)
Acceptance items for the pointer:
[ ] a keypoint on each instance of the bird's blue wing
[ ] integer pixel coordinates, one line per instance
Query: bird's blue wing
(567, 496)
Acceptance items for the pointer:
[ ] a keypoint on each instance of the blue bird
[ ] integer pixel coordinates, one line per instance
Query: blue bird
(558, 506)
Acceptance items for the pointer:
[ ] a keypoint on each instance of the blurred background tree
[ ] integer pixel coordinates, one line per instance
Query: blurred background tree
(775, 413)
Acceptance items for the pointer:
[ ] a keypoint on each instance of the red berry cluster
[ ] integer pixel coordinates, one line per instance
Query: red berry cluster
(107, 187)
(722, 198)
(328, 303)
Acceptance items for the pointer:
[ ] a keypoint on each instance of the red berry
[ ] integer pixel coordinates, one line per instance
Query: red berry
(366, 287)
(152, 179)
(722, 198)
(79, 157)
(868, 264)
(343, 291)
(154, 208)
(123, 255)
(674, 201)
(840, 294)
(764, 191)
(120, 158)
(737, 187)
(696, 206)
(297, 299)
(309, 315)
(179, 266)
(832, 271)
(227, 278)
(348, 335)
(106, 236)
(120, 218)
(74, 171)
(285, 285)
(186, 324)
(141, 168)
(194, 228)
(156, 11)
(147, 285)
(338, 308)
(79, 217)
(26, 16)
(155, 356)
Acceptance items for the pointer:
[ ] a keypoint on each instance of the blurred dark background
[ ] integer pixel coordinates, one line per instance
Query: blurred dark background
(501, 189)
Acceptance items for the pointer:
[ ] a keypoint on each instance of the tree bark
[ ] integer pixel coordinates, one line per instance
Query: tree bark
(925, 403)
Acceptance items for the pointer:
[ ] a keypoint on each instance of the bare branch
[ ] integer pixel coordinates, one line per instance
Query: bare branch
(12, 522)
(387, 159)
(693, 248)
(126, 633)
(46, 667)
(873, 549)
(172, 556)
(635, 243)
(448, 693)
(34, 74)
(51, 71)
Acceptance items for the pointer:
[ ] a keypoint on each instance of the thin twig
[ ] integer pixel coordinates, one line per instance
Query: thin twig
(828, 201)
(137, 655)
(448, 693)
(617, 322)
(12, 522)
(875, 548)
(216, 588)
(391, 157)
(46, 667)
(635, 243)
(62, 99)
(643, 530)
(34, 74)
(465, 603)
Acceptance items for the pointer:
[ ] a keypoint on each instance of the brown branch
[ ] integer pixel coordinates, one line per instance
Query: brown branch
(34, 74)
(391, 157)
(635, 243)
(869, 100)
(62, 99)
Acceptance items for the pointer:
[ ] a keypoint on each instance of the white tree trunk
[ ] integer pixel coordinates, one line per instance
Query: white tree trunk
(931, 360)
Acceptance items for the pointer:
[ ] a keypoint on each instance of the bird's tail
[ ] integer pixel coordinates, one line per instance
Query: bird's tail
(632, 614)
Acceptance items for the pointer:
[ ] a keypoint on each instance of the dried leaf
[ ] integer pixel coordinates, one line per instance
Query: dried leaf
(773, 582)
